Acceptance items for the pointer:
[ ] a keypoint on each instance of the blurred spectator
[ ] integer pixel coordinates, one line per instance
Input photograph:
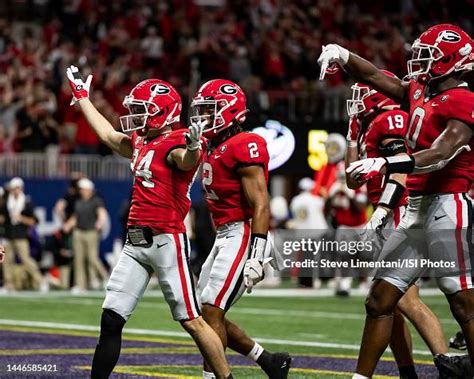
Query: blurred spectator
(60, 246)
(64, 207)
(20, 218)
(61, 243)
(349, 215)
(308, 220)
(272, 43)
(307, 208)
(152, 46)
(87, 221)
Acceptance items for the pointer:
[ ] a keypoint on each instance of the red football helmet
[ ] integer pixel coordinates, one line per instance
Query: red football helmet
(365, 99)
(219, 102)
(441, 50)
(152, 104)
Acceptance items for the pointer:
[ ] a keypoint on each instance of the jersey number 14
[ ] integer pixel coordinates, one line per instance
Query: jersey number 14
(142, 170)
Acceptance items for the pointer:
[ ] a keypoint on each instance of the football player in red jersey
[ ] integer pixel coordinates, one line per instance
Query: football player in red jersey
(439, 164)
(377, 128)
(164, 164)
(234, 175)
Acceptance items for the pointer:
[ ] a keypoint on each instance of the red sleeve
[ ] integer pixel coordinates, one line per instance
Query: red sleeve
(391, 124)
(460, 106)
(247, 149)
(133, 139)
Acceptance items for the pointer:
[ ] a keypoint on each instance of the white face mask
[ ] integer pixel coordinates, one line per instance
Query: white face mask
(356, 104)
(206, 110)
(139, 113)
(422, 59)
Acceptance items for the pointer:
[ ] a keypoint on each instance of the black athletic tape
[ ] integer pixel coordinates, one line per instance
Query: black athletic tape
(403, 164)
(392, 194)
(392, 148)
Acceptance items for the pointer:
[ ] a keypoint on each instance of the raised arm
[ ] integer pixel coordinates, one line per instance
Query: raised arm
(117, 141)
(186, 159)
(361, 70)
(352, 151)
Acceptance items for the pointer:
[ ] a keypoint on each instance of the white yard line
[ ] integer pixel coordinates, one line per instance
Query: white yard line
(259, 292)
(154, 332)
(235, 310)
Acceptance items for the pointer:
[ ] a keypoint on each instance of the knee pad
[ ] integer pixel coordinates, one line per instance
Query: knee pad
(111, 323)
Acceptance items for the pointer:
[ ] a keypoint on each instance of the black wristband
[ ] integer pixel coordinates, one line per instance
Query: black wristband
(403, 164)
(259, 235)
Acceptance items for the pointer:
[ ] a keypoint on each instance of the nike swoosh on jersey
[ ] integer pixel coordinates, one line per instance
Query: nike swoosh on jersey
(216, 156)
(434, 104)
(438, 217)
(163, 244)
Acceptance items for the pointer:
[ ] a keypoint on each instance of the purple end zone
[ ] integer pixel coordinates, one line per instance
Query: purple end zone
(66, 363)
(29, 340)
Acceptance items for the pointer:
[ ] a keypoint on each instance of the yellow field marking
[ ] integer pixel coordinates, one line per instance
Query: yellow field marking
(92, 334)
(348, 356)
(330, 372)
(143, 370)
(127, 350)
(174, 342)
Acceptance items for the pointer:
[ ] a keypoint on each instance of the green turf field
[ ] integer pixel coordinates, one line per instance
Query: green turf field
(318, 328)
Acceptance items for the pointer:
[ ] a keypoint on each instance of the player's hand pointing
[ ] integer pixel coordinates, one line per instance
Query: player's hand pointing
(332, 54)
(80, 88)
(193, 136)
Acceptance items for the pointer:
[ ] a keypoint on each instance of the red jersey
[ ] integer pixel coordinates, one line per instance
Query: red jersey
(342, 205)
(160, 197)
(389, 124)
(429, 117)
(223, 185)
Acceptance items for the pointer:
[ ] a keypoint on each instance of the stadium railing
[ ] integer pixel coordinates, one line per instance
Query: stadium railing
(50, 165)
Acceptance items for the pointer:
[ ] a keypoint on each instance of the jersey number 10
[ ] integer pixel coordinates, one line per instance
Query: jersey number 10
(414, 128)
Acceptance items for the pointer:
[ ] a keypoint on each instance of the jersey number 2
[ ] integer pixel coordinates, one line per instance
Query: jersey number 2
(253, 150)
(207, 181)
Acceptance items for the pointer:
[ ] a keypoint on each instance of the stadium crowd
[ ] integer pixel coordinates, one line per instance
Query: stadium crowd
(267, 46)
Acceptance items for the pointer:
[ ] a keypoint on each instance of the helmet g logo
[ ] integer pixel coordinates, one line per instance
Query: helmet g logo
(159, 89)
(228, 89)
(449, 36)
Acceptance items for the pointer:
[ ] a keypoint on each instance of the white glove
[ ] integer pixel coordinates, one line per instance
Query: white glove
(193, 136)
(374, 225)
(253, 273)
(331, 54)
(366, 168)
(80, 88)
